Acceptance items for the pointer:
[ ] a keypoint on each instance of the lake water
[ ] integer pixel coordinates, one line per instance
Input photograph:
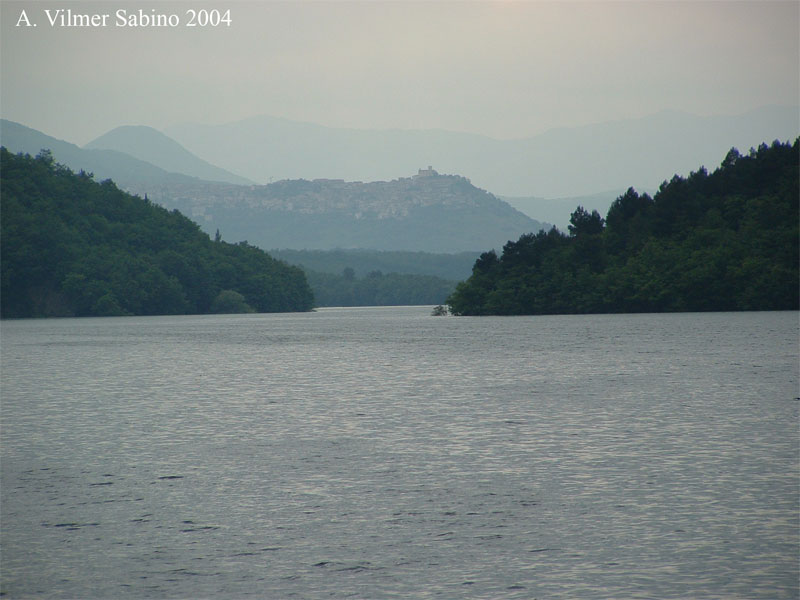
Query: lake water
(386, 453)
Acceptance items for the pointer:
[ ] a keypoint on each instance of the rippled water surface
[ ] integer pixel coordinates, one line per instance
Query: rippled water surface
(385, 453)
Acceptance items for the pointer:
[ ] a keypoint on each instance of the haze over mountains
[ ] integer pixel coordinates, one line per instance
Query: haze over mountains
(131, 156)
(559, 163)
(207, 171)
(433, 213)
(427, 212)
(124, 169)
(148, 144)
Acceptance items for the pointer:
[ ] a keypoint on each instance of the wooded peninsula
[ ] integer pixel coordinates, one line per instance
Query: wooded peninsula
(72, 246)
(707, 242)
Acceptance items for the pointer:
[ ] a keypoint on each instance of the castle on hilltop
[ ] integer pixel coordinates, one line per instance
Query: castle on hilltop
(429, 172)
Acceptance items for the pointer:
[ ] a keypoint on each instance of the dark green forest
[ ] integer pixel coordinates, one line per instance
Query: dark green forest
(71, 246)
(453, 267)
(378, 289)
(379, 277)
(707, 242)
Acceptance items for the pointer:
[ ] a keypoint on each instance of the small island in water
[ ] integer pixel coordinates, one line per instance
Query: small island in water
(725, 241)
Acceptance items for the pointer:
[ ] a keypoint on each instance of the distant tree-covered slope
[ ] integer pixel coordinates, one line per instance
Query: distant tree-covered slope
(453, 267)
(70, 246)
(378, 277)
(721, 241)
(378, 289)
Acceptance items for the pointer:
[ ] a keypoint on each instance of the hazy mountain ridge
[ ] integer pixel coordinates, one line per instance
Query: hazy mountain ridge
(558, 163)
(438, 213)
(381, 199)
(434, 213)
(123, 169)
(150, 145)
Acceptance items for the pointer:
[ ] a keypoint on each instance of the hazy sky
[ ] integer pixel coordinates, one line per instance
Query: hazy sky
(504, 69)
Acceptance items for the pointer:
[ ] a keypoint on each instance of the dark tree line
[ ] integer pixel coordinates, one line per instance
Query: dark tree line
(452, 267)
(708, 242)
(70, 246)
(378, 289)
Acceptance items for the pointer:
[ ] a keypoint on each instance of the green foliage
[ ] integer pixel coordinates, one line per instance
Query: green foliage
(721, 241)
(73, 247)
(230, 302)
(582, 223)
(379, 277)
(447, 266)
(377, 289)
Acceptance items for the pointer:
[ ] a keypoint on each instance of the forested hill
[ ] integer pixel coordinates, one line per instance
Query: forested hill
(708, 242)
(74, 247)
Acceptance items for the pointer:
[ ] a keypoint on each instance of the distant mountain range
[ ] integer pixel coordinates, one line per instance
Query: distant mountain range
(124, 169)
(131, 156)
(430, 212)
(559, 163)
(148, 144)
(318, 200)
